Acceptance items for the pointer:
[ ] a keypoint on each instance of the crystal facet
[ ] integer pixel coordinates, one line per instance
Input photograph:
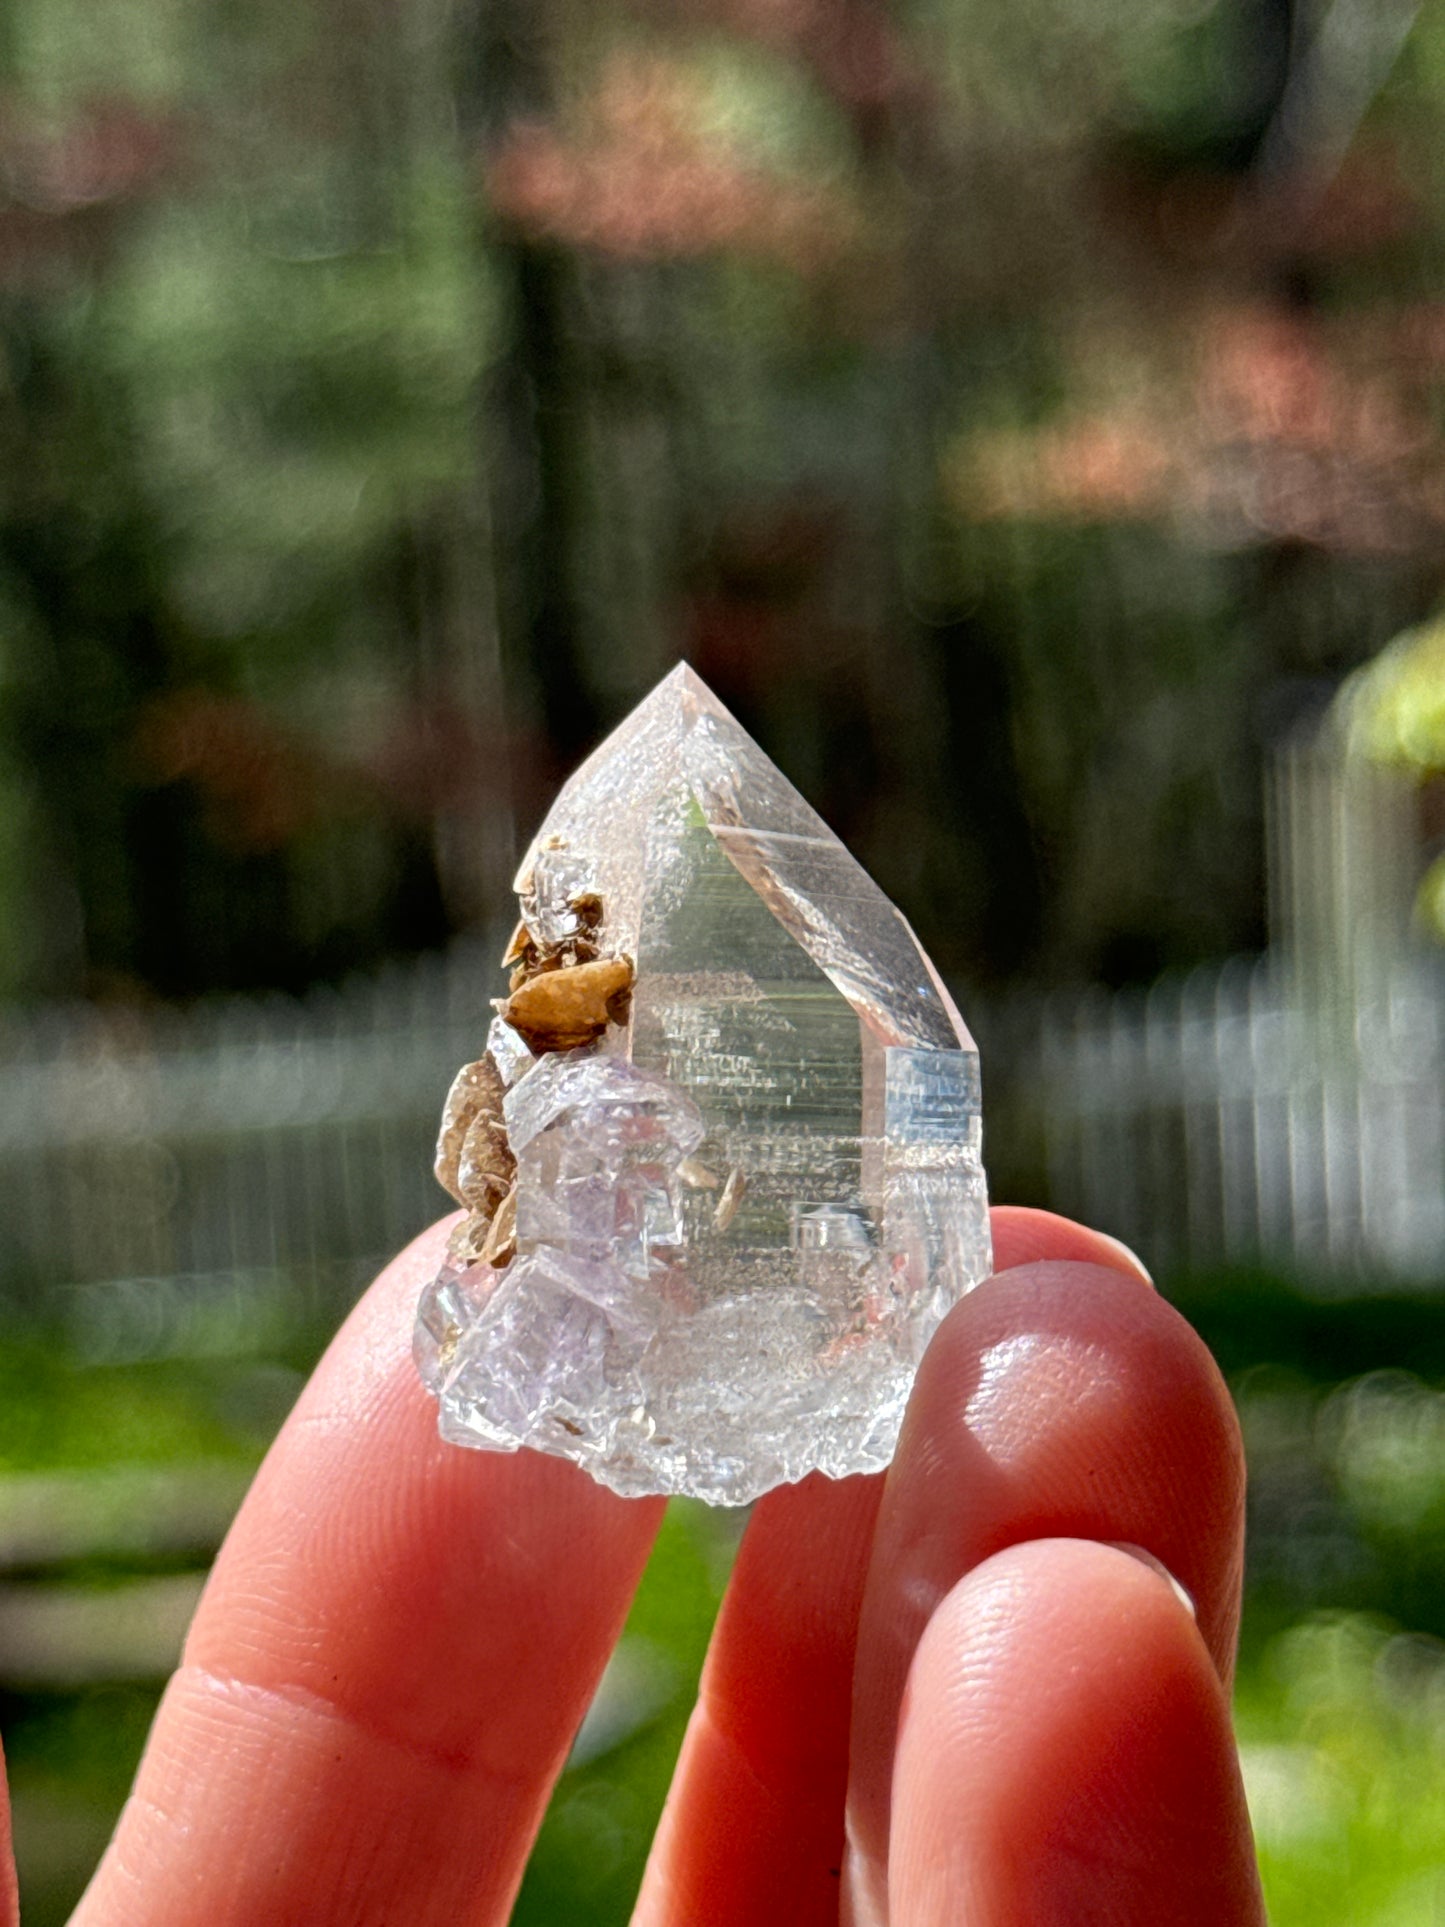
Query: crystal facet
(749, 1187)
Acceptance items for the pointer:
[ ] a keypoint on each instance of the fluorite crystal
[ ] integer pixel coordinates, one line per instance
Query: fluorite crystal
(743, 1206)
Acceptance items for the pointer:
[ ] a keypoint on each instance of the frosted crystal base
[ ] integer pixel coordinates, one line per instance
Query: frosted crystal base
(743, 1210)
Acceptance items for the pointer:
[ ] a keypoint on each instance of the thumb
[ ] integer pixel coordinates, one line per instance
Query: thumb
(1065, 1755)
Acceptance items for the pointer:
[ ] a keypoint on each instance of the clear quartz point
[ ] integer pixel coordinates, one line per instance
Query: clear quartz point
(743, 1210)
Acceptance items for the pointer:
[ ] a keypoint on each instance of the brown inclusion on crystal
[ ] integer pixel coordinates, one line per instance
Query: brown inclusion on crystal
(563, 996)
(563, 1009)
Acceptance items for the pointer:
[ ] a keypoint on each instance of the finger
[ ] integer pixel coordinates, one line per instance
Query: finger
(752, 1832)
(1065, 1756)
(387, 1667)
(753, 1828)
(1023, 1235)
(9, 1892)
(1058, 1400)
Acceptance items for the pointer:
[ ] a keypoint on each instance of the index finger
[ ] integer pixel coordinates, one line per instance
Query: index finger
(386, 1670)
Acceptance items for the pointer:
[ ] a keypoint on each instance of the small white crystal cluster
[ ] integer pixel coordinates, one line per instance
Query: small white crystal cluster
(743, 1206)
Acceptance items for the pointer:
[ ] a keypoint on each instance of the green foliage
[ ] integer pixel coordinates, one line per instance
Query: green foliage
(56, 1414)
(1392, 714)
(79, 1749)
(1342, 1730)
(301, 402)
(1393, 711)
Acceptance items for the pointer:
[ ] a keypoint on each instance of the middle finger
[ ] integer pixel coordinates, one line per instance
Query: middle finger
(753, 1831)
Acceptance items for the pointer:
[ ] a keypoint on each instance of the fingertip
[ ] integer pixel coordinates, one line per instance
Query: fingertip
(396, 1645)
(1158, 1567)
(1023, 1235)
(1061, 1376)
(379, 1325)
(361, 1499)
(1065, 1754)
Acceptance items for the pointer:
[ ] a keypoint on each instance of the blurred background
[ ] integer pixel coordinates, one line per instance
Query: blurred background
(1028, 417)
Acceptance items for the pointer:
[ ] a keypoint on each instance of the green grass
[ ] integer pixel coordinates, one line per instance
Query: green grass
(56, 1414)
(1342, 1731)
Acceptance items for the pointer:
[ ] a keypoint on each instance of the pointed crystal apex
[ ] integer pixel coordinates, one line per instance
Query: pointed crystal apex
(682, 753)
(692, 691)
(747, 1191)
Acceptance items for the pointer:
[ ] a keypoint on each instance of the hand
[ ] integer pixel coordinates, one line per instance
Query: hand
(1026, 1723)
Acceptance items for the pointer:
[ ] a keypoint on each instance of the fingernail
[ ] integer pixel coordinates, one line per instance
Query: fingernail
(1124, 1251)
(1156, 1565)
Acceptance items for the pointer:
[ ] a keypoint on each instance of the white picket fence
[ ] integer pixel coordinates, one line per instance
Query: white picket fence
(1217, 1118)
(209, 1180)
(201, 1180)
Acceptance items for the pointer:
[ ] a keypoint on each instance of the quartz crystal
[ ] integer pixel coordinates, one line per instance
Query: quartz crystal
(745, 1199)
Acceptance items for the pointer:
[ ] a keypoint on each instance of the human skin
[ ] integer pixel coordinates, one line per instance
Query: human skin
(975, 1671)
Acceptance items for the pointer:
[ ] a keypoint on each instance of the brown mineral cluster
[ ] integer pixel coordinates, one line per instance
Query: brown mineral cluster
(564, 1009)
(563, 996)
(474, 1161)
